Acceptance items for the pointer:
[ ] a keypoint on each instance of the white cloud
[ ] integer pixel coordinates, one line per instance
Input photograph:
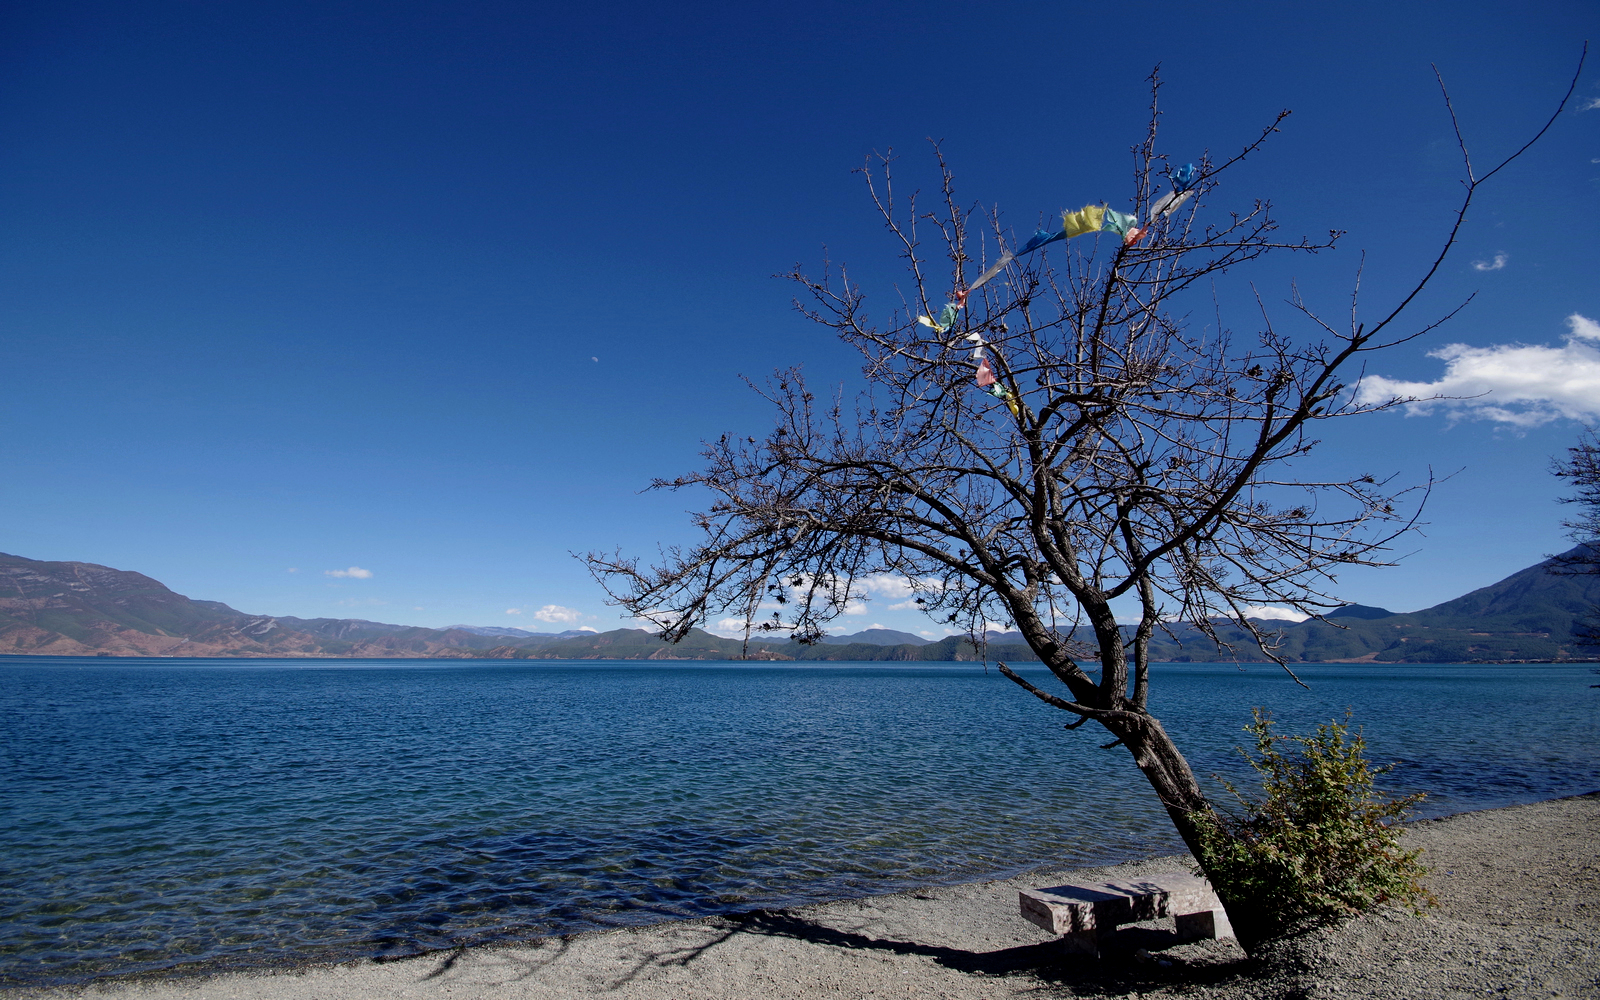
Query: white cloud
(728, 628)
(1494, 265)
(888, 585)
(733, 628)
(293, 569)
(1590, 104)
(1520, 384)
(513, 611)
(353, 573)
(556, 614)
(1272, 614)
(900, 589)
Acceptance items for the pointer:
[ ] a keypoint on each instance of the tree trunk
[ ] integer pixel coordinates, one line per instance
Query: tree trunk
(1168, 772)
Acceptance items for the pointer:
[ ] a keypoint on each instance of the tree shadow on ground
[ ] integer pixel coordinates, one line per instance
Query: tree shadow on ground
(1134, 960)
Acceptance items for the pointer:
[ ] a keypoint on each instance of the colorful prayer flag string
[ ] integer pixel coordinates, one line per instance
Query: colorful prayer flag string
(1088, 219)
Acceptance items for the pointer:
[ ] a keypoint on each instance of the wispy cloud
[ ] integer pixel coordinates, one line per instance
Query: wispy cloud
(513, 611)
(1524, 385)
(353, 573)
(1590, 104)
(556, 614)
(1491, 265)
(293, 569)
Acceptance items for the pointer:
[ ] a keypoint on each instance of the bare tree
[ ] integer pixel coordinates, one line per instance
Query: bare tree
(1582, 469)
(1122, 463)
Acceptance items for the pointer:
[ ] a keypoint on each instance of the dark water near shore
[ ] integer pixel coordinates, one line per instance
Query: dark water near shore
(238, 813)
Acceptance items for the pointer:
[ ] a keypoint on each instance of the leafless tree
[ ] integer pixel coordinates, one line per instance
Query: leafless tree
(1582, 470)
(1125, 462)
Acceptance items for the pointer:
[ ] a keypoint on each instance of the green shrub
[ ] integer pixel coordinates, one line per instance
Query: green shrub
(1320, 843)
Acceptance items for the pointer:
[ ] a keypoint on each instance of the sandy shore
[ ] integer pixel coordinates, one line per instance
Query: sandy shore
(1519, 916)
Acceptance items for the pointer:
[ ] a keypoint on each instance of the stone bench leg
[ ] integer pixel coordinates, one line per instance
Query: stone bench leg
(1082, 943)
(1212, 923)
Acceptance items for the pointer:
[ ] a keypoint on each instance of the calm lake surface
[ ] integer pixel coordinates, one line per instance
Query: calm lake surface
(158, 814)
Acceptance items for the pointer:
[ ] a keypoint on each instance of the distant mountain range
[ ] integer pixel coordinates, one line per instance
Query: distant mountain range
(81, 609)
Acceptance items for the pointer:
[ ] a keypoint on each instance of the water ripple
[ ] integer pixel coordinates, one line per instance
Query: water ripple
(242, 814)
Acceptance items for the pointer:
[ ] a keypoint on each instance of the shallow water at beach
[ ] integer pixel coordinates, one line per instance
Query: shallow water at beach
(156, 815)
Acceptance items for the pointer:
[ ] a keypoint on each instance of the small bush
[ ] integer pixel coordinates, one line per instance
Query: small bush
(1320, 843)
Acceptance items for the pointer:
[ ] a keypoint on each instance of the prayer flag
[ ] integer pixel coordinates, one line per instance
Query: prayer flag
(1119, 222)
(994, 269)
(1002, 393)
(1085, 220)
(977, 340)
(1168, 203)
(947, 317)
(1039, 239)
(1184, 177)
(1134, 235)
(985, 373)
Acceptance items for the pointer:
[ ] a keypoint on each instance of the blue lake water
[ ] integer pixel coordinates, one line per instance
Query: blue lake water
(159, 814)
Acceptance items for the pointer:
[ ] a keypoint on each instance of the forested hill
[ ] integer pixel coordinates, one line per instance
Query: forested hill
(83, 609)
(1527, 616)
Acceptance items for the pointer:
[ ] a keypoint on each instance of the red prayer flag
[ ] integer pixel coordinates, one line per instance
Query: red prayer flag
(985, 373)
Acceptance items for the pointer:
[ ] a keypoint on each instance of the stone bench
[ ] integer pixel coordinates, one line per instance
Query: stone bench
(1088, 914)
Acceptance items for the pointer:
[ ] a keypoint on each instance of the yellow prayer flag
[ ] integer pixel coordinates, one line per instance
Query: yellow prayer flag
(1085, 220)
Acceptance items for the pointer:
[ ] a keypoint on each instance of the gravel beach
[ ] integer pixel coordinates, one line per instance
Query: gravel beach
(1518, 916)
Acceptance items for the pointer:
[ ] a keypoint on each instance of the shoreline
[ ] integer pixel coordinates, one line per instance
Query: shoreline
(1361, 661)
(1519, 914)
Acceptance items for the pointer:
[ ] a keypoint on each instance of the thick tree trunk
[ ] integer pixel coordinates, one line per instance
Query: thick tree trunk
(1168, 772)
(1156, 755)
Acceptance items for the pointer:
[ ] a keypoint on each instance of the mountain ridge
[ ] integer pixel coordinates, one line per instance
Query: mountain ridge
(65, 608)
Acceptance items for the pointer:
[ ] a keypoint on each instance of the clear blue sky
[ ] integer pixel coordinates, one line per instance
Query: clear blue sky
(433, 289)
